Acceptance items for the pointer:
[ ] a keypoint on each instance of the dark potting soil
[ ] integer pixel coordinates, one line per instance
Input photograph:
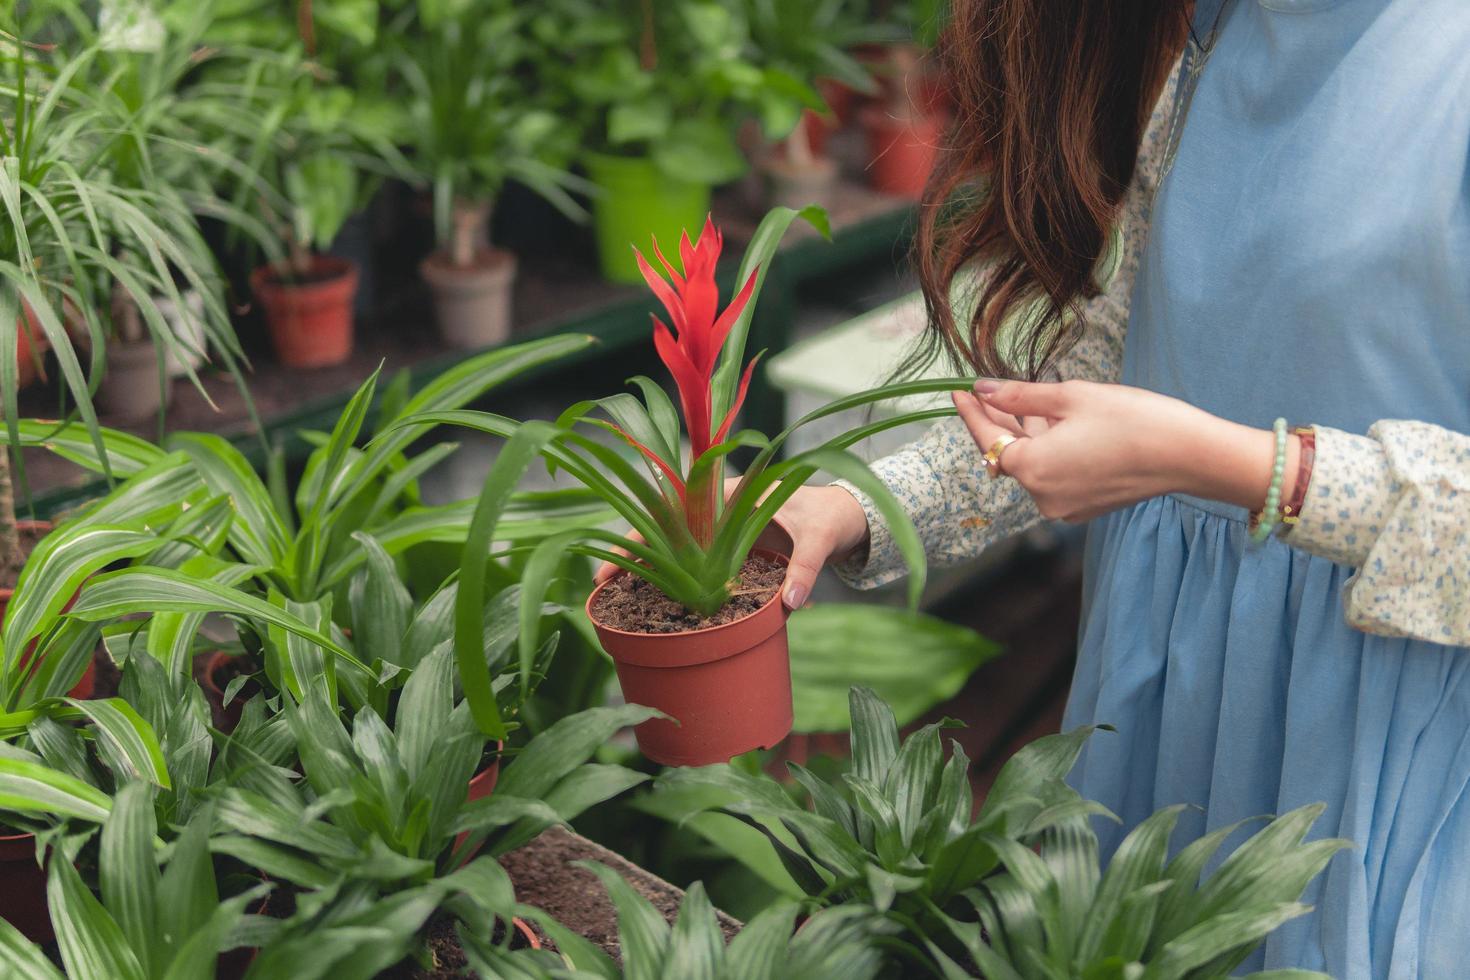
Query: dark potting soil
(450, 962)
(632, 605)
(544, 876)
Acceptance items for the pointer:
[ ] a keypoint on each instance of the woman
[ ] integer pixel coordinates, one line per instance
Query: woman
(1306, 256)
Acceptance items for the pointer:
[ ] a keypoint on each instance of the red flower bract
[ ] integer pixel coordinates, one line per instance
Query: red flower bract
(692, 348)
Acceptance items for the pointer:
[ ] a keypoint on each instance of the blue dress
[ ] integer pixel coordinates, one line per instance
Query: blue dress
(1309, 258)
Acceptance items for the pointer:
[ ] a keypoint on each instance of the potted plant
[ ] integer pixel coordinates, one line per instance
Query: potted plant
(303, 553)
(312, 158)
(806, 45)
(474, 123)
(384, 812)
(100, 235)
(657, 90)
(696, 628)
(905, 128)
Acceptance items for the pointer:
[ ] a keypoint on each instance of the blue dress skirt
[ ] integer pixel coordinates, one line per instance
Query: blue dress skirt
(1309, 258)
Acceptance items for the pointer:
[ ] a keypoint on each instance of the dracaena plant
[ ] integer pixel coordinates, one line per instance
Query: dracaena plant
(382, 809)
(147, 922)
(293, 554)
(836, 944)
(897, 836)
(689, 542)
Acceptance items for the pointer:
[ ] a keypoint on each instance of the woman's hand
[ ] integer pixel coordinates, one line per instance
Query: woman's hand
(1083, 449)
(826, 524)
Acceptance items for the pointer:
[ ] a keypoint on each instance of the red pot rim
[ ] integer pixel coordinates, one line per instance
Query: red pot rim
(328, 272)
(525, 930)
(630, 648)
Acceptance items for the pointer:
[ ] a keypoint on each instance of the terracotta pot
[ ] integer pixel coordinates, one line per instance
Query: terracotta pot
(902, 149)
(728, 687)
(130, 391)
(226, 717)
(23, 897)
(310, 322)
(473, 302)
(482, 784)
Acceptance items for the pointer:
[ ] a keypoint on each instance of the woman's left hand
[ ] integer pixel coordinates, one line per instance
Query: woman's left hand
(1083, 449)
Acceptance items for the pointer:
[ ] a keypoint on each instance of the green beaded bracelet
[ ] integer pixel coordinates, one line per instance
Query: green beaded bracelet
(1271, 513)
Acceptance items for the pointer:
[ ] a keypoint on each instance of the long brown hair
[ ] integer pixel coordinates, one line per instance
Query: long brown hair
(1051, 97)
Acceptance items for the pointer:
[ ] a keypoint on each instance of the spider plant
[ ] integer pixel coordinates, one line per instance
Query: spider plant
(79, 233)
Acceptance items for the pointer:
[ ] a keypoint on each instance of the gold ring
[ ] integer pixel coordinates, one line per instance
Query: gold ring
(992, 455)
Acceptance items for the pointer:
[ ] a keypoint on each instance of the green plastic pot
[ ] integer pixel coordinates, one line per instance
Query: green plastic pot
(639, 200)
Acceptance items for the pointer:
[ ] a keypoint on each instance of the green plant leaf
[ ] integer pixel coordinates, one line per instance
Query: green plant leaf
(836, 645)
(128, 871)
(128, 743)
(23, 959)
(30, 787)
(642, 932)
(91, 943)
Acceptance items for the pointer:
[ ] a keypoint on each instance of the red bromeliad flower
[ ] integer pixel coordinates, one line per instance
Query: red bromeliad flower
(691, 350)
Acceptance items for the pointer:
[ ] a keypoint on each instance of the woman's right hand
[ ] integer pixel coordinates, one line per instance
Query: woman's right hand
(826, 524)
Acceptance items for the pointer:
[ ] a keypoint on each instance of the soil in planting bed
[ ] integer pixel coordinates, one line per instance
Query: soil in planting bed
(544, 876)
(632, 605)
(450, 962)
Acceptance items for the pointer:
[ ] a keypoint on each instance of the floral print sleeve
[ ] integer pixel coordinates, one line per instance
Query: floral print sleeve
(1395, 505)
(940, 480)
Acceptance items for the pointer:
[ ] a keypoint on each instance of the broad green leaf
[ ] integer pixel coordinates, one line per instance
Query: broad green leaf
(696, 945)
(565, 746)
(128, 872)
(128, 743)
(23, 959)
(874, 735)
(758, 951)
(91, 943)
(642, 932)
(911, 660)
(31, 787)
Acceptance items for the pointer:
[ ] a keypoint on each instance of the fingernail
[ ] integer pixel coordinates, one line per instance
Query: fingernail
(987, 386)
(795, 596)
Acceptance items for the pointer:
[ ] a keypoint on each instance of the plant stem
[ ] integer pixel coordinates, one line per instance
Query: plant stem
(470, 232)
(799, 145)
(300, 259)
(647, 41)
(127, 323)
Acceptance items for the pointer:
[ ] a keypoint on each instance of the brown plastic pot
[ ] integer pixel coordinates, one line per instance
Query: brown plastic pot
(482, 784)
(310, 322)
(23, 894)
(902, 150)
(226, 717)
(727, 687)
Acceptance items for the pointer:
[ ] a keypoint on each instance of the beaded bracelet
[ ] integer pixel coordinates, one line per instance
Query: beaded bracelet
(1270, 514)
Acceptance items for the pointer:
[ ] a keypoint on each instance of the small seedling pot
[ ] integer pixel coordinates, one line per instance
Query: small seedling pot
(902, 150)
(130, 391)
(310, 322)
(726, 688)
(472, 302)
(482, 784)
